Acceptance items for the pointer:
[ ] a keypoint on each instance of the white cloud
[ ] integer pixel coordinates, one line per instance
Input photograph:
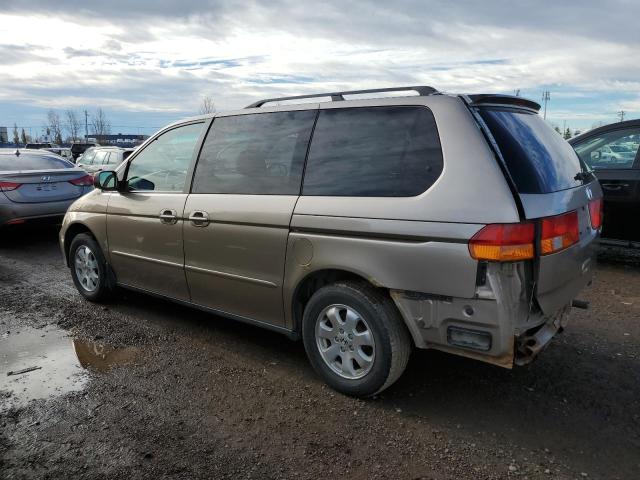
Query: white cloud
(129, 59)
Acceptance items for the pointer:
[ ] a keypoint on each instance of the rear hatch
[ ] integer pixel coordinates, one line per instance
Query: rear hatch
(555, 190)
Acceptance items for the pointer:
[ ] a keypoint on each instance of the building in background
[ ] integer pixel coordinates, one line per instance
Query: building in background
(4, 135)
(119, 140)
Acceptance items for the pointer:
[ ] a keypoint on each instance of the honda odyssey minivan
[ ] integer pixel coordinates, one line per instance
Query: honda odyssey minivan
(364, 226)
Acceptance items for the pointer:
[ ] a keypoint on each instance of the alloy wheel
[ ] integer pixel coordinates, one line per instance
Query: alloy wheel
(345, 341)
(86, 267)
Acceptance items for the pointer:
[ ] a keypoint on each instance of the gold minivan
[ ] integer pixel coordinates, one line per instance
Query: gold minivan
(365, 226)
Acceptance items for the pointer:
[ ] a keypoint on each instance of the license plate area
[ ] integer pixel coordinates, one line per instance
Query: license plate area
(46, 187)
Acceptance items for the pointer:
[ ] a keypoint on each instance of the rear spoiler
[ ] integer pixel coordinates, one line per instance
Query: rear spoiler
(488, 99)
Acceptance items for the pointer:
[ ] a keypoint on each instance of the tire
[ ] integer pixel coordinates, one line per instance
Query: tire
(361, 365)
(90, 276)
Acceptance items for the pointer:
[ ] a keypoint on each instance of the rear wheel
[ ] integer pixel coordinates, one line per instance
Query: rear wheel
(89, 268)
(355, 338)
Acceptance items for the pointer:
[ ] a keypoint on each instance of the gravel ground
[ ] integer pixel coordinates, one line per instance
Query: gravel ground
(175, 393)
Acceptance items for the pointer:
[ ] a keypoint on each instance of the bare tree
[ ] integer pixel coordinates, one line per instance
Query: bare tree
(24, 138)
(207, 105)
(54, 125)
(16, 136)
(73, 124)
(100, 124)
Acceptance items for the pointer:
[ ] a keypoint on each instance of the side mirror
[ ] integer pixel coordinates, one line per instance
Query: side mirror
(137, 183)
(106, 180)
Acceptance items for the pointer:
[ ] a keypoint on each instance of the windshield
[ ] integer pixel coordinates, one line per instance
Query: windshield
(538, 159)
(26, 161)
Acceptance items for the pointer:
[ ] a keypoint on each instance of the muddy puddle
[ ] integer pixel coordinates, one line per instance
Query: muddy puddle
(43, 363)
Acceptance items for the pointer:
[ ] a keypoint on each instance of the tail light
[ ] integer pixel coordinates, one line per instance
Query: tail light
(595, 212)
(559, 232)
(8, 186)
(506, 242)
(84, 181)
(503, 242)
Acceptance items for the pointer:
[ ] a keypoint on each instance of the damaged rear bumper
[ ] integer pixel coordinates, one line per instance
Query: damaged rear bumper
(534, 340)
(501, 325)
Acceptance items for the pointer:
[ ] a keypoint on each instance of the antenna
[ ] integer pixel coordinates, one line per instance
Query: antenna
(546, 96)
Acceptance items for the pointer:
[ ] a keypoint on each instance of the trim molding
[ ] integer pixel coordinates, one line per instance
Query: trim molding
(147, 259)
(233, 276)
(190, 268)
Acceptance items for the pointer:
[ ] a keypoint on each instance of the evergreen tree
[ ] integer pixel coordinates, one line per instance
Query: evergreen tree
(16, 136)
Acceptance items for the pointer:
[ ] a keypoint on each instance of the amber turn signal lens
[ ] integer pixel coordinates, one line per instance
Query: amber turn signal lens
(503, 242)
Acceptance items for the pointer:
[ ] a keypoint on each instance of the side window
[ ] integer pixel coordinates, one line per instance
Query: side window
(114, 158)
(87, 158)
(373, 152)
(610, 150)
(162, 165)
(99, 157)
(259, 154)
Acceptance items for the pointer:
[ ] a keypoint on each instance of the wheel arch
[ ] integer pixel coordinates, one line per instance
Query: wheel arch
(70, 233)
(315, 280)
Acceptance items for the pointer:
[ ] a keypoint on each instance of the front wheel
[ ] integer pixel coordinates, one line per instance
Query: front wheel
(89, 268)
(355, 338)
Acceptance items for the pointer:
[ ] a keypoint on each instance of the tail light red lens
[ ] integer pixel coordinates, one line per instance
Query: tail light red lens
(85, 181)
(8, 186)
(595, 212)
(559, 232)
(503, 242)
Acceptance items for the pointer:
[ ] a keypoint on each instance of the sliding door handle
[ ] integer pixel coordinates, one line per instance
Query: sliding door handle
(199, 218)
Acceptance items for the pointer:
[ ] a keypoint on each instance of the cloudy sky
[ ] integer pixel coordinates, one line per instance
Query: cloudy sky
(147, 63)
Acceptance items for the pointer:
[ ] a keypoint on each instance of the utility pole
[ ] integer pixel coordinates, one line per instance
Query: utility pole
(546, 96)
(516, 92)
(86, 125)
(621, 114)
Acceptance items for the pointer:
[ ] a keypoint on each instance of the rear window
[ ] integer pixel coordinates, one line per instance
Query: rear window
(373, 152)
(537, 157)
(26, 161)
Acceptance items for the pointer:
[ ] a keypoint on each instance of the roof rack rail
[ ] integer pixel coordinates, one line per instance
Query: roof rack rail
(338, 96)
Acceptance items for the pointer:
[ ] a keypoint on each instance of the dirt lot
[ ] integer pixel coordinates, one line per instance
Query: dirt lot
(143, 388)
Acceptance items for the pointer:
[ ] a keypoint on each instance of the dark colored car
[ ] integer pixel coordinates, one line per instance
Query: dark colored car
(78, 149)
(38, 146)
(612, 152)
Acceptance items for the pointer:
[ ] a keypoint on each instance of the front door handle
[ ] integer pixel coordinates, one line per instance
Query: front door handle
(199, 218)
(614, 186)
(169, 217)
